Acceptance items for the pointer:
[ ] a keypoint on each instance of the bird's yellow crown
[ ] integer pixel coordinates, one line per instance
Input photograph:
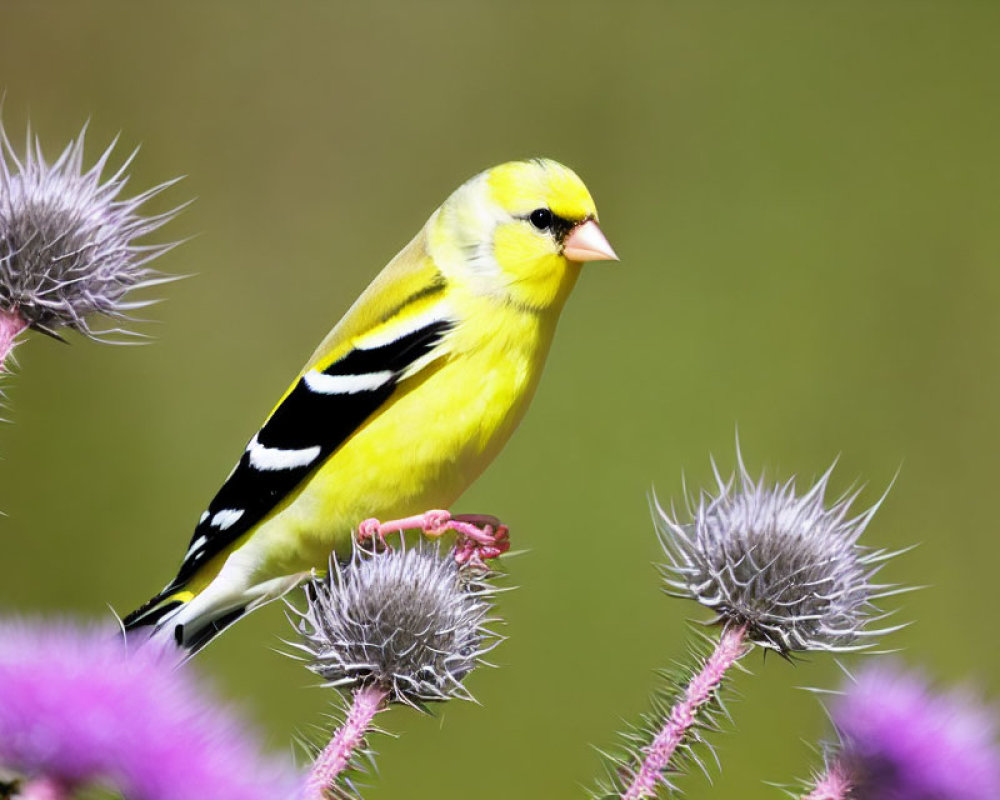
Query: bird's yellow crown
(522, 186)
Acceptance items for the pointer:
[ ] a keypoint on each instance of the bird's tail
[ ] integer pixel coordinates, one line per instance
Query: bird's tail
(158, 610)
(164, 616)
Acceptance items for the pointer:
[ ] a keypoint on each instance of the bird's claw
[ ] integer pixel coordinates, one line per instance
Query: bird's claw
(480, 536)
(475, 545)
(372, 530)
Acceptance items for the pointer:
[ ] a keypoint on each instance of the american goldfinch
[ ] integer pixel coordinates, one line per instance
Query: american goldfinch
(404, 403)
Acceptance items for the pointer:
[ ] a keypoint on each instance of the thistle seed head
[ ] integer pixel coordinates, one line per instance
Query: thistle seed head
(68, 242)
(409, 621)
(784, 564)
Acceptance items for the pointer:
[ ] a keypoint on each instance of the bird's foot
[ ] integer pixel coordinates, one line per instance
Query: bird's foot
(480, 536)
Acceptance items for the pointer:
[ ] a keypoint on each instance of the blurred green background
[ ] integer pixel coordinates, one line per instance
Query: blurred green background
(805, 199)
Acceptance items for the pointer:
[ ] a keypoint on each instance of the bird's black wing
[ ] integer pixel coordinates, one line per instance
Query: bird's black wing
(319, 414)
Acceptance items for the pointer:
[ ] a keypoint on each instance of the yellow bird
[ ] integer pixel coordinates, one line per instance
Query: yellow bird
(402, 406)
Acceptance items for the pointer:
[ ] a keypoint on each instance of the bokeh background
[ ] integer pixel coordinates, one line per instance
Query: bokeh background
(805, 200)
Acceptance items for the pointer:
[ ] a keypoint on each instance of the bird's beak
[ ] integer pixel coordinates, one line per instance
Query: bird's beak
(587, 242)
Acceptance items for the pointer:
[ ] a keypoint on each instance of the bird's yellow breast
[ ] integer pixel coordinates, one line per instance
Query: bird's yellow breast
(432, 440)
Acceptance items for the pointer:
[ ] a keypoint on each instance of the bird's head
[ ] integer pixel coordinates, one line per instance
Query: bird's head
(520, 230)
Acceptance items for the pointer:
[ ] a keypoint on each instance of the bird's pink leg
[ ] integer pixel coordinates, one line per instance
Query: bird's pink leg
(480, 536)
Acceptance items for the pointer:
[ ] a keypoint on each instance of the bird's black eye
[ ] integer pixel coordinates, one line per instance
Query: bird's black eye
(541, 218)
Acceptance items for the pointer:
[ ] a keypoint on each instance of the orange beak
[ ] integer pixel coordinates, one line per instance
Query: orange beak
(587, 242)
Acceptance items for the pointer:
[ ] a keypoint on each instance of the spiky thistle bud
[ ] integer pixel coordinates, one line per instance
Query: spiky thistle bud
(404, 626)
(780, 570)
(69, 244)
(410, 621)
(785, 566)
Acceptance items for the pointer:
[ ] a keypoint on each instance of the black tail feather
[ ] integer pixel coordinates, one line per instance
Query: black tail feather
(151, 612)
(194, 636)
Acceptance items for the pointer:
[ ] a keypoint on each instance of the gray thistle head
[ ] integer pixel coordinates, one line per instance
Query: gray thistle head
(783, 564)
(68, 241)
(409, 621)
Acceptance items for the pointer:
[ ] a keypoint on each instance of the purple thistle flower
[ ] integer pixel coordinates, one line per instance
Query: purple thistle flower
(76, 707)
(900, 740)
(68, 242)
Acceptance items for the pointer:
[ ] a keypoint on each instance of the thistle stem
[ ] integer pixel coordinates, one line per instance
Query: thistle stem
(368, 701)
(731, 648)
(831, 785)
(11, 324)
